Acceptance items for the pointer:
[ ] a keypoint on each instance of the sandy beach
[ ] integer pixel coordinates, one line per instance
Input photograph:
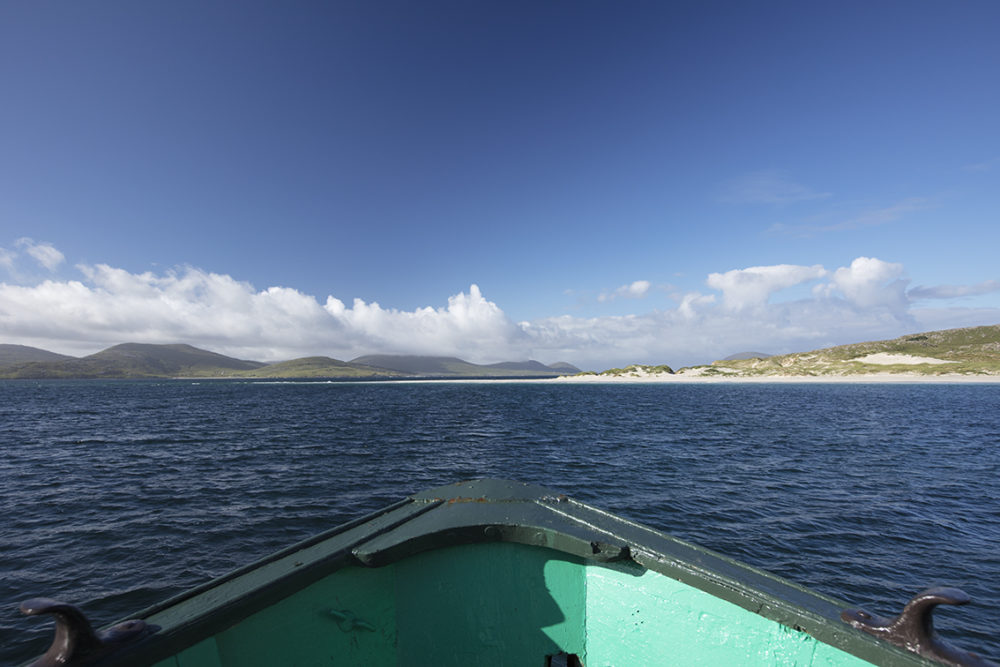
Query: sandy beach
(720, 373)
(693, 378)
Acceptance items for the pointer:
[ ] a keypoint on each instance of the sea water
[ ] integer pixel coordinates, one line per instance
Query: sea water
(117, 494)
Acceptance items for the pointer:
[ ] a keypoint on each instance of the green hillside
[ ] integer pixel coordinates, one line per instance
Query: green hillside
(531, 366)
(135, 360)
(139, 360)
(454, 367)
(317, 367)
(22, 354)
(634, 370)
(969, 351)
(178, 358)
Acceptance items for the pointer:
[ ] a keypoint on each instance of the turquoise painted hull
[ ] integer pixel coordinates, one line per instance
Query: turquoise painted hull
(505, 604)
(500, 573)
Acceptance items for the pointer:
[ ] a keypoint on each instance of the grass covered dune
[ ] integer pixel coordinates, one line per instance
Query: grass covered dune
(954, 355)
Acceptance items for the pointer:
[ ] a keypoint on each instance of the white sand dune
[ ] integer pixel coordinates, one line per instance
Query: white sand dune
(762, 379)
(887, 359)
(723, 374)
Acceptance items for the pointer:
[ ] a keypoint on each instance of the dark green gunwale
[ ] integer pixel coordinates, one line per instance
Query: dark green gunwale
(494, 511)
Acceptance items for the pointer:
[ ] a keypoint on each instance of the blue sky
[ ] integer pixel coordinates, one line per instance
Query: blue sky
(594, 182)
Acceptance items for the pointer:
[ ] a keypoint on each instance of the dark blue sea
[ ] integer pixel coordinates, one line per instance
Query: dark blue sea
(115, 495)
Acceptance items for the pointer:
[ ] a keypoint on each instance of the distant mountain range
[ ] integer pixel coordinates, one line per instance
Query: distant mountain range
(140, 360)
(451, 366)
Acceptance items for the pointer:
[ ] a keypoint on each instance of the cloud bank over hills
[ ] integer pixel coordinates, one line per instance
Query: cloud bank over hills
(739, 309)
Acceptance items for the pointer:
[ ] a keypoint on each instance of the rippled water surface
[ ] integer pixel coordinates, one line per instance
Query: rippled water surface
(115, 495)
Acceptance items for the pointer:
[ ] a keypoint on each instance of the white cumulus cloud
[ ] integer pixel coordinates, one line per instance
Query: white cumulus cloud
(871, 283)
(43, 253)
(112, 305)
(866, 300)
(691, 304)
(751, 287)
(470, 324)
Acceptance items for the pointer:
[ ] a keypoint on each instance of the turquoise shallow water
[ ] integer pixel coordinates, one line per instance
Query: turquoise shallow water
(115, 495)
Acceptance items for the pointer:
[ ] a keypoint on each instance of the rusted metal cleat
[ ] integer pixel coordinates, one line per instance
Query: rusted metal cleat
(913, 629)
(75, 642)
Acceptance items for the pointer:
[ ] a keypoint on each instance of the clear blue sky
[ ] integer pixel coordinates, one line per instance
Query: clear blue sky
(648, 181)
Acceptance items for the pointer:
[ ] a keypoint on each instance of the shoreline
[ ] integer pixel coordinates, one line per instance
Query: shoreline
(882, 378)
(681, 378)
(631, 378)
